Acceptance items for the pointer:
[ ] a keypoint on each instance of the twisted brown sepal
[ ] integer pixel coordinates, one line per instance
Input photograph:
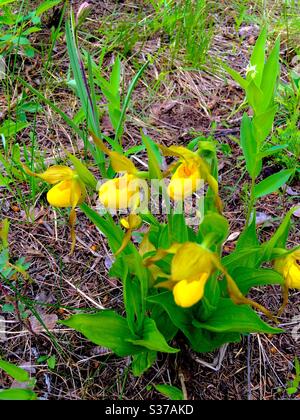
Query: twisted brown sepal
(72, 222)
(125, 242)
(285, 295)
(239, 299)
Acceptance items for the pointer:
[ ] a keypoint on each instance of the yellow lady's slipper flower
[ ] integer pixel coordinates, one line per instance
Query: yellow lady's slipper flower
(68, 191)
(120, 193)
(187, 177)
(289, 268)
(191, 268)
(185, 180)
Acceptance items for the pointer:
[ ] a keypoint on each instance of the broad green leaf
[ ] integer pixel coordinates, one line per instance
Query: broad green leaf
(237, 258)
(133, 301)
(246, 278)
(248, 239)
(17, 395)
(152, 339)
(201, 340)
(211, 298)
(263, 123)
(177, 228)
(216, 224)
(46, 5)
(137, 268)
(270, 75)
(175, 394)
(15, 372)
(230, 317)
(257, 59)
(272, 183)
(115, 78)
(255, 98)
(86, 176)
(107, 329)
(5, 2)
(143, 361)
(163, 321)
(249, 145)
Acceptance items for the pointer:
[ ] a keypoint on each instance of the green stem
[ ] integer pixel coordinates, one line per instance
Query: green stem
(251, 202)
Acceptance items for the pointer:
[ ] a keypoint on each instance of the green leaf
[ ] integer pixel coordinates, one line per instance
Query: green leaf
(279, 238)
(230, 317)
(201, 340)
(143, 361)
(175, 394)
(133, 301)
(17, 395)
(107, 329)
(249, 145)
(272, 150)
(154, 157)
(15, 372)
(177, 228)
(246, 278)
(272, 183)
(237, 258)
(46, 5)
(10, 128)
(255, 98)
(119, 130)
(153, 339)
(258, 56)
(85, 175)
(163, 321)
(51, 362)
(263, 123)
(211, 298)
(5, 2)
(216, 224)
(270, 75)
(108, 227)
(115, 77)
(248, 239)
(80, 82)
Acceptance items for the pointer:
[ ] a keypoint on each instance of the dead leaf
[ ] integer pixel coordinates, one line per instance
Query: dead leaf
(233, 236)
(297, 212)
(263, 218)
(292, 192)
(49, 321)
